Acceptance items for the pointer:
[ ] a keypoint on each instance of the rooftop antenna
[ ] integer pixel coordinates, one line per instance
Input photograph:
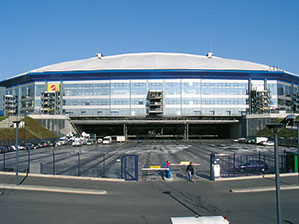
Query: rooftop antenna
(210, 53)
(99, 54)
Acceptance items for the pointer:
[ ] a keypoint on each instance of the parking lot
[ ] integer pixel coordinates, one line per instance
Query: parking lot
(105, 160)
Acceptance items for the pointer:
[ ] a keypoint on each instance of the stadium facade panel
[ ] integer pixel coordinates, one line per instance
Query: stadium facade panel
(151, 85)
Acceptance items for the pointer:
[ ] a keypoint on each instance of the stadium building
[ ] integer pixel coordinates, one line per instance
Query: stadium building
(154, 95)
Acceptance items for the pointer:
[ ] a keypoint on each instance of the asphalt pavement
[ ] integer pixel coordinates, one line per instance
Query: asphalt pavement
(104, 160)
(142, 202)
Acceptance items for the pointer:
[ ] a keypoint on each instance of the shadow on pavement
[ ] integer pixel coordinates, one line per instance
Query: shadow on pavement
(186, 206)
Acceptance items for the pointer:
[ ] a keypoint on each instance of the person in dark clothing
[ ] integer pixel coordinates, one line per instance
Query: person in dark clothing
(190, 171)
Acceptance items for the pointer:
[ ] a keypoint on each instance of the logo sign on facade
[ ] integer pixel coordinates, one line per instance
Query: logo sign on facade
(53, 87)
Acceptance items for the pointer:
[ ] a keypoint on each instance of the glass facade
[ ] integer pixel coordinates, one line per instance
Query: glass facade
(190, 97)
(180, 97)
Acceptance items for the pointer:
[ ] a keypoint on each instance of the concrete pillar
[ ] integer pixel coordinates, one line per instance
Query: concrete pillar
(125, 128)
(187, 133)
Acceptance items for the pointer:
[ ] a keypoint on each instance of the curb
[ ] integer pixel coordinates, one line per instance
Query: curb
(63, 177)
(257, 177)
(264, 189)
(52, 189)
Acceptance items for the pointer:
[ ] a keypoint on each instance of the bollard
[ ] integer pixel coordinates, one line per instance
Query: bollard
(28, 169)
(212, 161)
(234, 164)
(104, 165)
(78, 163)
(4, 161)
(53, 160)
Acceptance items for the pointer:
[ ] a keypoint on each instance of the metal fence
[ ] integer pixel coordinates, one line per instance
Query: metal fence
(232, 165)
(89, 164)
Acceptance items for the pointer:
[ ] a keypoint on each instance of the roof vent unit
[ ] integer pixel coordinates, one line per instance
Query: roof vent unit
(210, 54)
(99, 55)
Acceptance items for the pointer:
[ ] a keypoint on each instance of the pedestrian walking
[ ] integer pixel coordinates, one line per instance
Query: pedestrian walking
(167, 172)
(190, 171)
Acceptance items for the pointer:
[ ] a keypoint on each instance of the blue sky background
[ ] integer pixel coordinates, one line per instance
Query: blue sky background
(35, 33)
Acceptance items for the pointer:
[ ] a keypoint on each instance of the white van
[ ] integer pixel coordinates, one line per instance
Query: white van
(77, 142)
(63, 141)
(107, 140)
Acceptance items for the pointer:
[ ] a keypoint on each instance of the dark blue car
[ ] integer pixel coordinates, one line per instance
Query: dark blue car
(251, 166)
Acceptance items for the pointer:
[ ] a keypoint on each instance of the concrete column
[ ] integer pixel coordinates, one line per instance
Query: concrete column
(125, 128)
(187, 133)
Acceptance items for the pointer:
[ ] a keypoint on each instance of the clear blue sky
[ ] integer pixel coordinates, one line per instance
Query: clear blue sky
(35, 33)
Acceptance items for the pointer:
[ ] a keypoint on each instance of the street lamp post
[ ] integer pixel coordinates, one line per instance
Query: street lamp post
(276, 127)
(17, 164)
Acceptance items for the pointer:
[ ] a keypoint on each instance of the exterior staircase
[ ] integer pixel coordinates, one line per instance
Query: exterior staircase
(8, 122)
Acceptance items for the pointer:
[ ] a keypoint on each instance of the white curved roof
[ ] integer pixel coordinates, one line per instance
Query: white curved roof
(153, 61)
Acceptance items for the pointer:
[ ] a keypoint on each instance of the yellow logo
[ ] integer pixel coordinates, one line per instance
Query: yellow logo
(53, 87)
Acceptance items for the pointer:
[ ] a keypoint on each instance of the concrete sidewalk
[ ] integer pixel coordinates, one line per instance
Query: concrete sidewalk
(62, 176)
(52, 183)
(52, 189)
(264, 189)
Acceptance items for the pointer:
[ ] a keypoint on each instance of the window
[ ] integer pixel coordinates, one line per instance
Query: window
(287, 90)
(114, 111)
(197, 113)
(280, 90)
(281, 102)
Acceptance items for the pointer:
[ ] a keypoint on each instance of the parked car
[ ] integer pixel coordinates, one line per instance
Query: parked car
(240, 140)
(250, 141)
(22, 147)
(38, 145)
(44, 144)
(3, 149)
(268, 143)
(100, 140)
(252, 166)
(89, 142)
(29, 146)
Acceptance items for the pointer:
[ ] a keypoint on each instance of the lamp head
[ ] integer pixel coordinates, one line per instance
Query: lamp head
(275, 125)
